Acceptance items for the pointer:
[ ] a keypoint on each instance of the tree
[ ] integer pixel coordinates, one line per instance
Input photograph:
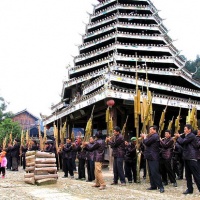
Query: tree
(6, 127)
(6, 123)
(194, 68)
(2, 107)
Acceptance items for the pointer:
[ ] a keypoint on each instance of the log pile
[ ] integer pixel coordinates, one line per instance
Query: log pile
(40, 167)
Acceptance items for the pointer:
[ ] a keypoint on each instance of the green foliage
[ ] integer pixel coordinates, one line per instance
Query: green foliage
(6, 123)
(194, 68)
(2, 107)
(6, 127)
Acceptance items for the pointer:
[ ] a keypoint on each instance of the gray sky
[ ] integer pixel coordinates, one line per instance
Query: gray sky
(38, 37)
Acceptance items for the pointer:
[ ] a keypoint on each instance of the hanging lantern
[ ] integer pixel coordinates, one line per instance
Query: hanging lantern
(110, 103)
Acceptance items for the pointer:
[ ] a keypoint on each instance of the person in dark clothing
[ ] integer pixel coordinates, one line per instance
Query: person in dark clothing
(99, 149)
(8, 156)
(33, 146)
(177, 161)
(189, 144)
(55, 151)
(60, 157)
(81, 155)
(15, 154)
(151, 153)
(143, 162)
(198, 146)
(166, 157)
(118, 146)
(24, 149)
(48, 147)
(67, 159)
(131, 160)
(90, 161)
(74, 153)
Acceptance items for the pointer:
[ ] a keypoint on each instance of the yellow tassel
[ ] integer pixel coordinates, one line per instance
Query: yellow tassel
(142, 112)
(107, 114)
(138, 102)
(162, 119)
(135, 105)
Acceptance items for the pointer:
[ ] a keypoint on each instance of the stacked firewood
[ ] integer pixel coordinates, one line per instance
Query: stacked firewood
(40, 167)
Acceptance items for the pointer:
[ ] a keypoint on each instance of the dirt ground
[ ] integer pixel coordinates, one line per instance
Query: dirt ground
(13, 187)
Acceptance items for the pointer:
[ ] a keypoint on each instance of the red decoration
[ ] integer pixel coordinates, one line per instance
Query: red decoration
(110, 103)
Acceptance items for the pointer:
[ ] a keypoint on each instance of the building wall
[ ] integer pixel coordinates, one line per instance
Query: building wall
(25, 119)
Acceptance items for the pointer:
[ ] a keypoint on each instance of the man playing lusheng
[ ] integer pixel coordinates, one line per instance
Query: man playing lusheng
(118, 146)
(151, 153)
(189, 144)
(99, 148)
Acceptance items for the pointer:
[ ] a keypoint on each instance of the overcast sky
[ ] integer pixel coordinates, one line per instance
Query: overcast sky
(39, 37)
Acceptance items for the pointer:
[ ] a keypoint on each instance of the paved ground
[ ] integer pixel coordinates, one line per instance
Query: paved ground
(13, 187)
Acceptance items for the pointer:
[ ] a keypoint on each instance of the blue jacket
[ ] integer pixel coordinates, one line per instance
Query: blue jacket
(189, 144)
(118, 146)
(99, 149)
(89, 154)
(152, 144)
(198, 146)
(130, 155)
(167, 148)
(67, 151)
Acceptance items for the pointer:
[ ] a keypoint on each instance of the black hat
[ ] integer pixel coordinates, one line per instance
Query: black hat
(117, 129)
(99, 134)
(17, 140)
(46, 142)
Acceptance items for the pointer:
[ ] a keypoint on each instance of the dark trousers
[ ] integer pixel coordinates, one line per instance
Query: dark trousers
(67, 167)
(90, 170)
(15, 163)
(9, 162)
(143, 165)
(166, 169)
(57, 163)
(81, 168)
(181, 167)
(118, 170)
(175, 166)
(3, 171)
(23, 162)
(130, 170)
(198, 163)
(74, 164)
(154, 174)
(60, 161)
(191, 168)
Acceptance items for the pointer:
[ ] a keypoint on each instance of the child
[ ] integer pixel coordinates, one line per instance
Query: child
(3, 163)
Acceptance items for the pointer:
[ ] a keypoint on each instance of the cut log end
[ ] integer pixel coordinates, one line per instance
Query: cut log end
(46, 181)
(29, 180)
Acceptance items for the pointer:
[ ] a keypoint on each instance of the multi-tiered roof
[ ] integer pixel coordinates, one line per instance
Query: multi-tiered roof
(122, 37)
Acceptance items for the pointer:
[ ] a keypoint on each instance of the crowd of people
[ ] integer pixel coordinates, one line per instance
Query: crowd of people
(165, 159)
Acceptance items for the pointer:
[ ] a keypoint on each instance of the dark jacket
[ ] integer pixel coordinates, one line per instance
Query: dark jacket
(33, 148)
(89, 154)
(130, 153)
(99, 149)
(118, 146)
(178, 151)
(81, 153)
(189, 144)
(8, 152)
(24, 149)
(15, 150)
(198, 146)
(167, 148)
(66, 152)
(152, 144)
(49, 149)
